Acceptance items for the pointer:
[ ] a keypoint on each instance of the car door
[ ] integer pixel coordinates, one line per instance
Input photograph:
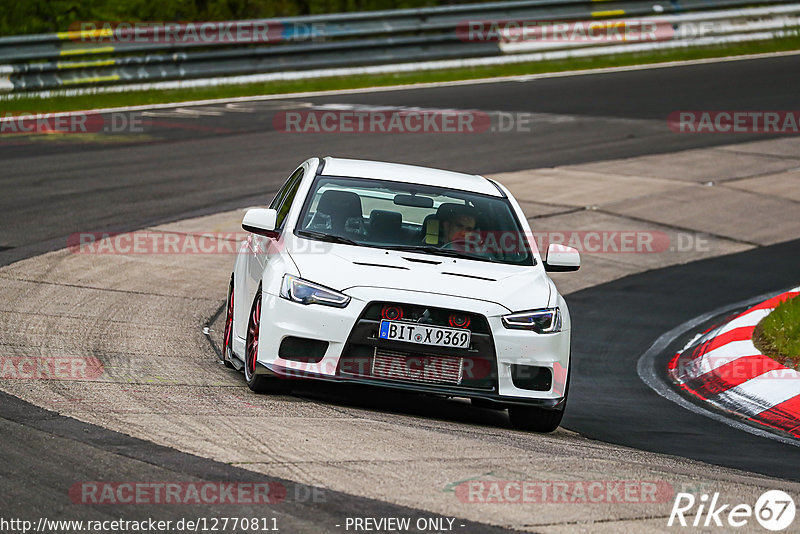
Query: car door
(255, 252)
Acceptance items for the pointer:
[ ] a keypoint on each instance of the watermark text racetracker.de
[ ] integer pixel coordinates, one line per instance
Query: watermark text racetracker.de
(50, 368)
(173, 493)
(22, 123)
(500, 242)
(154, 242)
(735, 121)
(563, 492)
(716, 370)
(563, 31)
(401, 121)
(117, 526)
(198, 33)
(584, 32)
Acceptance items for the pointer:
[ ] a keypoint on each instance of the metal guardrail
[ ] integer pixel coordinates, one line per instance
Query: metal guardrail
(105, 56)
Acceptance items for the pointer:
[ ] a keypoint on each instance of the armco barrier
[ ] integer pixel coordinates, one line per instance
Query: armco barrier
(101, 54)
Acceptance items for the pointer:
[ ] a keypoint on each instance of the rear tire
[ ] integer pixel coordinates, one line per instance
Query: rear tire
(259, 383)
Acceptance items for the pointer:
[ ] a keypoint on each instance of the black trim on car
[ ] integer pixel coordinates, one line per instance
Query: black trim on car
(552, 404)
(502, 193)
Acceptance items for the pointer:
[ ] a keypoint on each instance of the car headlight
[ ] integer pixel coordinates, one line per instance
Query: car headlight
(305, 292)
(544, 321)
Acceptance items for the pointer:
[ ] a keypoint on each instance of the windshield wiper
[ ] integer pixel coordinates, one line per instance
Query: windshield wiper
(427, 249)
(322, 236)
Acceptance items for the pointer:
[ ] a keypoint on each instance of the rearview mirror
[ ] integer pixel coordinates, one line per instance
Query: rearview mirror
(261, 221)
(561, 259)
(413, 201)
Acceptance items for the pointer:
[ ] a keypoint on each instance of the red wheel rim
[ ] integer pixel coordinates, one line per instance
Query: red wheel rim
(252, 345)
(226, 338)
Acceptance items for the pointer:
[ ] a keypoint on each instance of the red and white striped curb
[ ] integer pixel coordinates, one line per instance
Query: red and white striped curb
(724, 368)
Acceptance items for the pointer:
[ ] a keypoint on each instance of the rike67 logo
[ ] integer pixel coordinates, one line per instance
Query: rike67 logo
(774, 510)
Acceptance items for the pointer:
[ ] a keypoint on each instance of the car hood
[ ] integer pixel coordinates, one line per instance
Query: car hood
(344, 267)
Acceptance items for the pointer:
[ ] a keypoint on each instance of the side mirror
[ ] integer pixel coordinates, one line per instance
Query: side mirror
(261, 221)
(561, 259)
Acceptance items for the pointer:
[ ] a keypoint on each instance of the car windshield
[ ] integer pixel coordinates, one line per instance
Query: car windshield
(411, 217)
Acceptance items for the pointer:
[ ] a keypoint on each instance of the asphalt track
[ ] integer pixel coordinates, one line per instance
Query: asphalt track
(617, 322)
(50, 189)
(60, 448)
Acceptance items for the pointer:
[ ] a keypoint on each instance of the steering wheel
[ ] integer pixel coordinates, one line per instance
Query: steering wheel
(458, 241)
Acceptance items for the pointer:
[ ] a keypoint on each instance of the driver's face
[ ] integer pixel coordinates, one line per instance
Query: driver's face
(457, 227)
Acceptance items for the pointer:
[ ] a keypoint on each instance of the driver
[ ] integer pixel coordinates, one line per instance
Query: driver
(457, 223)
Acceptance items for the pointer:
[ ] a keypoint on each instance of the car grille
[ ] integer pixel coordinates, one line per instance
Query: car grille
(427, 368)
(365, 355)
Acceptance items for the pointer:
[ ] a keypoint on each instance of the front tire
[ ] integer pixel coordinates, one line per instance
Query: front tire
(487, 404)
(256, 382)
(534, 419)
(227, 337)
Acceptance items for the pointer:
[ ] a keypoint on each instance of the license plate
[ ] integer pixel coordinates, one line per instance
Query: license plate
(425, 335)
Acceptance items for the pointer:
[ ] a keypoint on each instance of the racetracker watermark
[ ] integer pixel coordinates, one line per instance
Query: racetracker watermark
(70, 123)
(564, 492)
(560, 31)
(716, 373)
(150, 242)
(206, 493)
(389, 121)
(585, 241)
(735, 121)
(50, 368)
(477, 242)
(585, 32)
(193, 33)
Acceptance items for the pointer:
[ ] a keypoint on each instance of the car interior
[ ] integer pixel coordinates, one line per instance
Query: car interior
(341, 213)
(367, 217)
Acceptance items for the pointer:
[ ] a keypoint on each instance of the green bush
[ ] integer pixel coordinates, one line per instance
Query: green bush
(778, 334)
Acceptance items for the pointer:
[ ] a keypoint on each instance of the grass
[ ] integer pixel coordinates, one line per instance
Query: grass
(132, 98)
(778, 334)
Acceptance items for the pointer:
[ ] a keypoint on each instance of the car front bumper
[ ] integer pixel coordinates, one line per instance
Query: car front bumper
(507, 351)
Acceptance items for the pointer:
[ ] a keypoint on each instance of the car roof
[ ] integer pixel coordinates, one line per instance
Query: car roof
(397, 172)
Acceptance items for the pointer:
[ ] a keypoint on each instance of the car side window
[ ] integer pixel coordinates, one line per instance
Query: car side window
(281, 194)
(288, 193)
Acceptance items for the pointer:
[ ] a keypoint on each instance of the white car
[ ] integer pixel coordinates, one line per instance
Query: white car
(401, 277)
